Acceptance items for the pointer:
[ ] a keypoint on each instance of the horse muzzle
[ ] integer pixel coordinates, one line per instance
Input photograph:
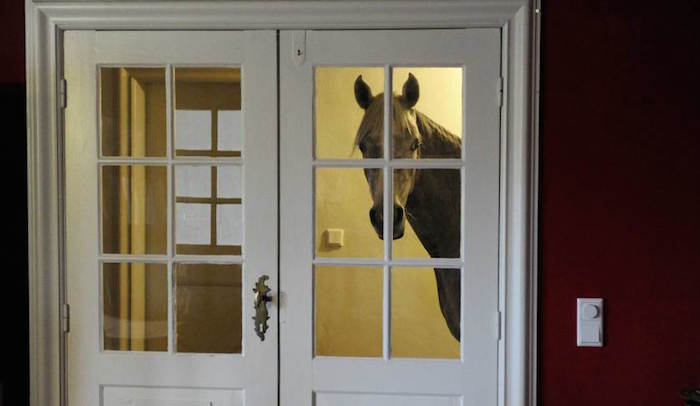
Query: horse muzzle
(377, 220)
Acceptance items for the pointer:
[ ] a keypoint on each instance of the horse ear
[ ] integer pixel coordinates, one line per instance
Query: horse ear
(410, 91)
(363, 94)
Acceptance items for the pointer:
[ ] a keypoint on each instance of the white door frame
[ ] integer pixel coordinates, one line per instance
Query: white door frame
(519, 21)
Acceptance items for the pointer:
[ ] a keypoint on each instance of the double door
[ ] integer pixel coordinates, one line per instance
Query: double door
(353, 174)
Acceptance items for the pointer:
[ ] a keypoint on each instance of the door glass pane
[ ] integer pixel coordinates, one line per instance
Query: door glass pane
(348, 219)
(134, 209)
(348, 309)
(427, 213)
(425, 313)
(193, 181)
(193, 228)
(208, 115)
(344, 115)
(229, 182)
(229, 223)
(208, 308)
(208, 210)
(427, 120)
(132, 118)
(135, 306)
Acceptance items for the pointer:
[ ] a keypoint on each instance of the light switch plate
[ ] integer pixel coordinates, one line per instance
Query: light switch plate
(589, 322)
(335, 237)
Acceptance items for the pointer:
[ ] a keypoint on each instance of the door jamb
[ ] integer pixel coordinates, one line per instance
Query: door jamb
(519, 22)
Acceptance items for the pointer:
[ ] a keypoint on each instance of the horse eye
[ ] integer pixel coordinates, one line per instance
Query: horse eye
(416, 144)
(362, 147)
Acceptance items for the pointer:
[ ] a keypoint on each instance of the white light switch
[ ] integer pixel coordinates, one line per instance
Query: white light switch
(589, 324)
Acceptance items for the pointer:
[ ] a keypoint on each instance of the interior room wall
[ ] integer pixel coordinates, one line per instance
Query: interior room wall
(619, 218)
(619, 200)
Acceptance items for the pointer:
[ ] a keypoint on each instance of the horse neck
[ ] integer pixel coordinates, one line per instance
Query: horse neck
(433, 206)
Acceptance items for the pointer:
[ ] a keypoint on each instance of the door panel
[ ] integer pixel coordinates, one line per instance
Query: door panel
(133, 396)
(389, 221)
(346, 399)
(171, 216)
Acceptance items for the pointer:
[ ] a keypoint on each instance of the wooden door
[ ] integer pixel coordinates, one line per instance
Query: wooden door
(389, 244)
(170, 217)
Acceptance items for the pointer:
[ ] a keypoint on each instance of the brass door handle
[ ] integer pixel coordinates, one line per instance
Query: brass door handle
(260, 303)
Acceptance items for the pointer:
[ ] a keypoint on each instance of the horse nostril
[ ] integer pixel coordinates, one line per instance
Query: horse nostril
(398, 215)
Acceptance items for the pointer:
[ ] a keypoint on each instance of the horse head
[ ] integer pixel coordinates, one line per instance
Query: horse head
(405, 144)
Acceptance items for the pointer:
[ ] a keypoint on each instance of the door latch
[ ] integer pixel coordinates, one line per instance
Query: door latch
(260, 300)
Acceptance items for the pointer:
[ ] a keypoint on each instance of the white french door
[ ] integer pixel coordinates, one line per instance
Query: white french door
(389, 222)
(171, 217)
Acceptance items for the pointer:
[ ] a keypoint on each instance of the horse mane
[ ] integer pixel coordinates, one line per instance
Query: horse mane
(438, 142)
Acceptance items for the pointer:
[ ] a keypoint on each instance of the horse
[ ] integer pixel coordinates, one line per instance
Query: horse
(428, 198)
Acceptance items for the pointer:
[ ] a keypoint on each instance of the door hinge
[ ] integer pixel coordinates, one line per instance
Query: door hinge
(65, 317)
(62, 93)
(500, 91)
(299, 47)
(499, 328)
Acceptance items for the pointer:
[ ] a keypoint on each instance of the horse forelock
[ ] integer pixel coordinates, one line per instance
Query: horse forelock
(404, 120)
(372, 123)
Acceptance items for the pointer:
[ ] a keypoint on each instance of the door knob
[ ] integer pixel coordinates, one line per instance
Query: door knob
(260, 300)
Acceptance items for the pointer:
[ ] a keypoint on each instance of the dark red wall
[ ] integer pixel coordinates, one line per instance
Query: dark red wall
(620, 199)
(12, 48)
(14, 333)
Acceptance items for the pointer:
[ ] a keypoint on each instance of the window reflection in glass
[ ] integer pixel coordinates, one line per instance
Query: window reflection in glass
(208, 112)
(135, 306)
(208, 308)
(208, 209)
(134, 209)
(132, 112)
